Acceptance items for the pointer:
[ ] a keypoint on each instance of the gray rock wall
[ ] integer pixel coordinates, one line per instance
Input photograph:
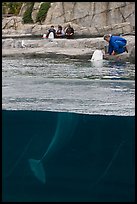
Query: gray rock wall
(91, 14)
(87, 18)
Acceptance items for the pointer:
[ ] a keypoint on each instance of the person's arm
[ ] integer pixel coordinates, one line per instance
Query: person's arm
(110, 49)
(113, 53)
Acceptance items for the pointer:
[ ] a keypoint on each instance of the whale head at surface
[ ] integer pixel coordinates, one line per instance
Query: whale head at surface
(97, 55)
(97, 59)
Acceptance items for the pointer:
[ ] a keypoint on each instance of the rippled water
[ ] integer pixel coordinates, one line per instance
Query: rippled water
(71, 85)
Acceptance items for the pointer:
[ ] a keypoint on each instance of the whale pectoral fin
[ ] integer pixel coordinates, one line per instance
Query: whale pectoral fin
(38, 169)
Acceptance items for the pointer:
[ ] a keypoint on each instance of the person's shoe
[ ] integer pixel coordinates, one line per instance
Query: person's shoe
(126, 49)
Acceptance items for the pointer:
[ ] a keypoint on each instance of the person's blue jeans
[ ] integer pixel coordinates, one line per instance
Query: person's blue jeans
(121, 48)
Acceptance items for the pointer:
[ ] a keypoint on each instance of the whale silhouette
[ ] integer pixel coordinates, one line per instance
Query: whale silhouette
(65, 127)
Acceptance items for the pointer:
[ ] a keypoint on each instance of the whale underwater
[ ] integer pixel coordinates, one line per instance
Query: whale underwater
(66, 125)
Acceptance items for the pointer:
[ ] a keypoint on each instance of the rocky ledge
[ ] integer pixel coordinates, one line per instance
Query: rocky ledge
(73, 48)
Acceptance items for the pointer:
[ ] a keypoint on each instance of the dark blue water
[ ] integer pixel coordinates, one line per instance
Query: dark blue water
(91, 157)
(68, 130)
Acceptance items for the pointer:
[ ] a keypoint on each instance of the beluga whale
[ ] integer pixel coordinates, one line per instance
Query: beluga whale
(97, 55)
(65, 128)
(97, 58)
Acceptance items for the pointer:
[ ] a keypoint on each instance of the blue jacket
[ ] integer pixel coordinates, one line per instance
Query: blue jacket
(117, 44)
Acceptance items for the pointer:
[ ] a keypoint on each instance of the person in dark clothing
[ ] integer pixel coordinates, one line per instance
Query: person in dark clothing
(52, 29)
(69, 33)
(60, 33)
(117, 44)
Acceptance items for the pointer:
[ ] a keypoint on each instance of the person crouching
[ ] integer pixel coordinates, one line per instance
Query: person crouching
(117, 44)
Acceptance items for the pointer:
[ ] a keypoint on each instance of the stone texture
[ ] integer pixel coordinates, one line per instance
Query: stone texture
(90, 14)
(13, 22)
(77, 48)
(36, 29)
(87, 18)
(23, 9)
(132, 55)
(35, 10)
(8, 43)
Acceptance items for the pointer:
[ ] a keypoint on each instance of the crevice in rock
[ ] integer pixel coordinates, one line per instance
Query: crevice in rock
(107, 12)
(124, 20)
(129, 15)
(63, 9)
(4, 27)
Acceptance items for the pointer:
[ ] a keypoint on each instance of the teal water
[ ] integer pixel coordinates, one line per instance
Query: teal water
(92, 159)
(68, 130)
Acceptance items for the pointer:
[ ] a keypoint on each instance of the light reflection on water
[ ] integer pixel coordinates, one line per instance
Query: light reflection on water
(68, 85)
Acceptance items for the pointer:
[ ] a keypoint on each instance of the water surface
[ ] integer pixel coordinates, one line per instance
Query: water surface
(78, 119)
(68, 85)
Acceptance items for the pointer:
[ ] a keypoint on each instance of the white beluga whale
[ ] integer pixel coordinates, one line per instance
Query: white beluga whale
(97, 58)
(66, 125)
(97, 55)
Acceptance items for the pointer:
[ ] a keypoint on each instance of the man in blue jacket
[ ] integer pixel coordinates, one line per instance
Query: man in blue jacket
(117, 44)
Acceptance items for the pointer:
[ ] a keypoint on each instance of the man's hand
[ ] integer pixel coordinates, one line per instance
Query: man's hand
(106, 56)
(113, 53)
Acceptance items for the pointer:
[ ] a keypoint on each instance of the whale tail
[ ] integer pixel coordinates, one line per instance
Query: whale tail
(38, 169)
